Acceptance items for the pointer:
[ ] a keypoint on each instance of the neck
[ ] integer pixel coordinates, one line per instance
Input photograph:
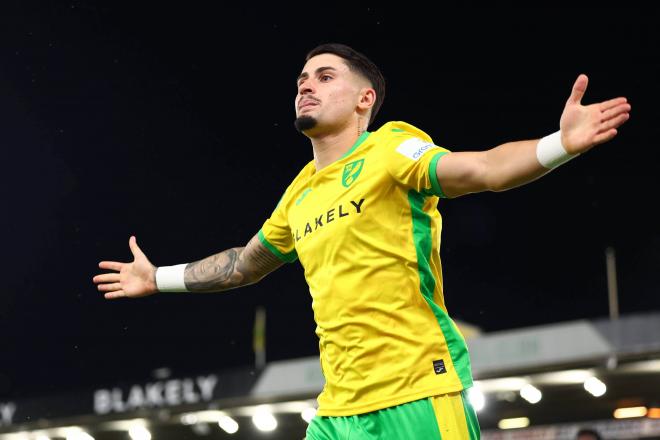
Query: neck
(329, 147)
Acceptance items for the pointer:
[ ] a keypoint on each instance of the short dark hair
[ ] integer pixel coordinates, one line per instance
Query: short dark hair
(359, 63)
(591, 432)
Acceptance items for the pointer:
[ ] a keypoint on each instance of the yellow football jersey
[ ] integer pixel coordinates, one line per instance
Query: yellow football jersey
(367, 231)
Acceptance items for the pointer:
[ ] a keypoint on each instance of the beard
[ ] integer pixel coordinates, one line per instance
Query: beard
(304, 123)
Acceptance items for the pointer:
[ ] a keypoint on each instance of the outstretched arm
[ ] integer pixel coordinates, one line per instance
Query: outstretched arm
(226, 270)
(516, 163)
(232, 268)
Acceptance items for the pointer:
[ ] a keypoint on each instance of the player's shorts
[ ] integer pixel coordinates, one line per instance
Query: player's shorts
(443, 417)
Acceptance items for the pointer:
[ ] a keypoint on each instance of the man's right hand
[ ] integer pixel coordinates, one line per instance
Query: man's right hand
(130, 280)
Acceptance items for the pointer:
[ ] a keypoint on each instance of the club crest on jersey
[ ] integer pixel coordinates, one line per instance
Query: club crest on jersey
(351, 172)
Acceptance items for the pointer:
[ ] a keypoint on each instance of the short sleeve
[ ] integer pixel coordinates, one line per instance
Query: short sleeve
(412, 162)
(276, 235)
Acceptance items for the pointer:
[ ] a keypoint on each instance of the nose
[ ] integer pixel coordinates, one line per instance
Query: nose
(305, 87)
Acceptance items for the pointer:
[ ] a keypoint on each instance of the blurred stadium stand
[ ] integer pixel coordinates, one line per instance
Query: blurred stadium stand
(541, 382)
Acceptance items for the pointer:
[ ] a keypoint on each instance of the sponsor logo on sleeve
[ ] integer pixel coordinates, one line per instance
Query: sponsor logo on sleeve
(415, 148)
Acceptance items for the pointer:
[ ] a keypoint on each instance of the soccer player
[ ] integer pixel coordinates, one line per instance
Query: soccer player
(362, 219)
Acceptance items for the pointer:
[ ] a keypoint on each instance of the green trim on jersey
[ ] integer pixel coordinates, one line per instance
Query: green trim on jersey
(357, 143)
(422, 237)
(437, 189)
(287, 258)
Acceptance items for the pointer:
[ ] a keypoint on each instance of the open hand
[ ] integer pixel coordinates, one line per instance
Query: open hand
(132, 280)
(585, 126)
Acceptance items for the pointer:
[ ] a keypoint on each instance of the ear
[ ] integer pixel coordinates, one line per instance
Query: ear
(367, 99)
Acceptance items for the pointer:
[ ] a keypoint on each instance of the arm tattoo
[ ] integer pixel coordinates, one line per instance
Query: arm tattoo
(231, 268)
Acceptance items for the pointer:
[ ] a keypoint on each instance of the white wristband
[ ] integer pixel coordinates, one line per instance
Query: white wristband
(551, 153)
(171, 278)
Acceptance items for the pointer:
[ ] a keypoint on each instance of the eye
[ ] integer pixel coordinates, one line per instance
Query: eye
(325, 77)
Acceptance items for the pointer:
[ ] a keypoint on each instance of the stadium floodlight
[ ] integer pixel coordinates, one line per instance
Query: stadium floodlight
(42, 437)
(595, 387)
(531, 394)
(139, 432)
(308, 414)
(229, 425)
(518, 422)
(476, 398)
(627, 413)
(264, 420)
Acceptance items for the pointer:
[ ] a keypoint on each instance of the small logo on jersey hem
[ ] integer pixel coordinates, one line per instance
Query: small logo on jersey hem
(351, 172)
(439, 367)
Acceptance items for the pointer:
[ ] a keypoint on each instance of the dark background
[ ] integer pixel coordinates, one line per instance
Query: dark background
(173, 122)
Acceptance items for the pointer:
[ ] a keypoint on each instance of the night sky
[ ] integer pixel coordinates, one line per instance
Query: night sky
(175, 123)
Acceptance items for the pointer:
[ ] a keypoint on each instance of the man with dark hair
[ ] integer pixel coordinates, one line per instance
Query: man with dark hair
(362, 218)
(359, 64)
